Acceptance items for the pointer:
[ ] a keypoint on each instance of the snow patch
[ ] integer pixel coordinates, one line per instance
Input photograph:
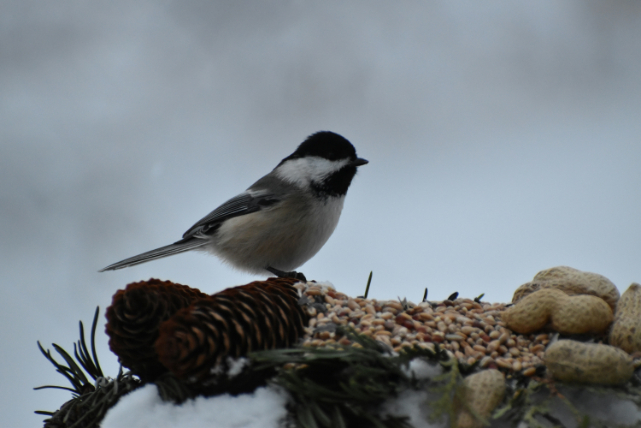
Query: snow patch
(422, 370)
(413, 404)
(236, 366)
(143, 408)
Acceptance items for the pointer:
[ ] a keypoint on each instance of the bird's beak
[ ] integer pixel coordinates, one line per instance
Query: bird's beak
(359, 162)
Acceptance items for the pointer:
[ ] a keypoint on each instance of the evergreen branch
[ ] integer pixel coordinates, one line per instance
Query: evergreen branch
(90, 402)
(63, 370)
(73, 368)
(343, 386)
(447, 386)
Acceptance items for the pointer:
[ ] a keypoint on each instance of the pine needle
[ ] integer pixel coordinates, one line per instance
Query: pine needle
(369, 281)
(90, 400)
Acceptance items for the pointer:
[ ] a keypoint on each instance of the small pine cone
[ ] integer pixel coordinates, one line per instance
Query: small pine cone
(280, 324)
(134, 317)
(257, 316)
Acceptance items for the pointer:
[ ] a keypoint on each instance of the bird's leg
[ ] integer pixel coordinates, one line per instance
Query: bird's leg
(282, 274)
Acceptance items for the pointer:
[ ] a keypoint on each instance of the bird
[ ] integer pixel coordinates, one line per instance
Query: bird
(282, 220)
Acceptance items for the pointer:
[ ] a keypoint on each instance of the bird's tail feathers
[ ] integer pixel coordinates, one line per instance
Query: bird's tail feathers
(158, 253)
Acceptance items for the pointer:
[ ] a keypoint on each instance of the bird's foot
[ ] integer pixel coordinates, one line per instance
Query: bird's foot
(292, 274)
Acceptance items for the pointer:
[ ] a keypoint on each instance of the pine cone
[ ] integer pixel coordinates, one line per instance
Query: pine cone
(257, 316)
(134, 317)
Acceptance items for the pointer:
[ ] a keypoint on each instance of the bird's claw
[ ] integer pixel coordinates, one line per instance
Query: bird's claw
(291, 274)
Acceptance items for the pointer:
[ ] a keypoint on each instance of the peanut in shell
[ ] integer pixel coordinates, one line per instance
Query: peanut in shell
(572, 282)
(532, 313)
(626, 328)
(483, 392)
(565, 314)
(581, 314)
(591, 363)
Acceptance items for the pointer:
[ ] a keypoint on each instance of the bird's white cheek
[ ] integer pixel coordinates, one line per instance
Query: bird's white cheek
(295, 172)
(301, 172)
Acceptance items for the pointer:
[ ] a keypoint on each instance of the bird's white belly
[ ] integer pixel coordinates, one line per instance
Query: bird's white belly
(283, 237)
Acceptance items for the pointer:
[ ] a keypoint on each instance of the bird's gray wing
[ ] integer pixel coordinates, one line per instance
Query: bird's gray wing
(245, 203)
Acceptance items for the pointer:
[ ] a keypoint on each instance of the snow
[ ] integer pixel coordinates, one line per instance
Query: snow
(143, 408)
(266, 407)
(233, 367)
(413, 404)
(422, 370)
(236, 366)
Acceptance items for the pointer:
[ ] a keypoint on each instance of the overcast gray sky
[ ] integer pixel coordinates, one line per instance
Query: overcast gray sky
(503, 138)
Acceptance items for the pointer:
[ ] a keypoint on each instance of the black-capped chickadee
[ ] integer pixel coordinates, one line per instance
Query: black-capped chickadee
(282, 220)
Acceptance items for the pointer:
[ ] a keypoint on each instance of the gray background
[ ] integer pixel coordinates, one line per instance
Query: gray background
(503, 138)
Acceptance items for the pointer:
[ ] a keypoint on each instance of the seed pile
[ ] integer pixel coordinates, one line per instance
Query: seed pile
(470, 331)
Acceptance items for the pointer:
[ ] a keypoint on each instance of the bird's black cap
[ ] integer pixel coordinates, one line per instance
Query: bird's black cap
(325, 144)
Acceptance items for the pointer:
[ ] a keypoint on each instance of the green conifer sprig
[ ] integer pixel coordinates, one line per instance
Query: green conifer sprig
(446, 386)
(538, 403)
(329, 387)
(91, 399)
(344, 386)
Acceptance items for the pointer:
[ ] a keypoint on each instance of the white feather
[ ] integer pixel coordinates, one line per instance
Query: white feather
(302, 171)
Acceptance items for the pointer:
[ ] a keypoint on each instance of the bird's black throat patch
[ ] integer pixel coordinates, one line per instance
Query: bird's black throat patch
(336, 184)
